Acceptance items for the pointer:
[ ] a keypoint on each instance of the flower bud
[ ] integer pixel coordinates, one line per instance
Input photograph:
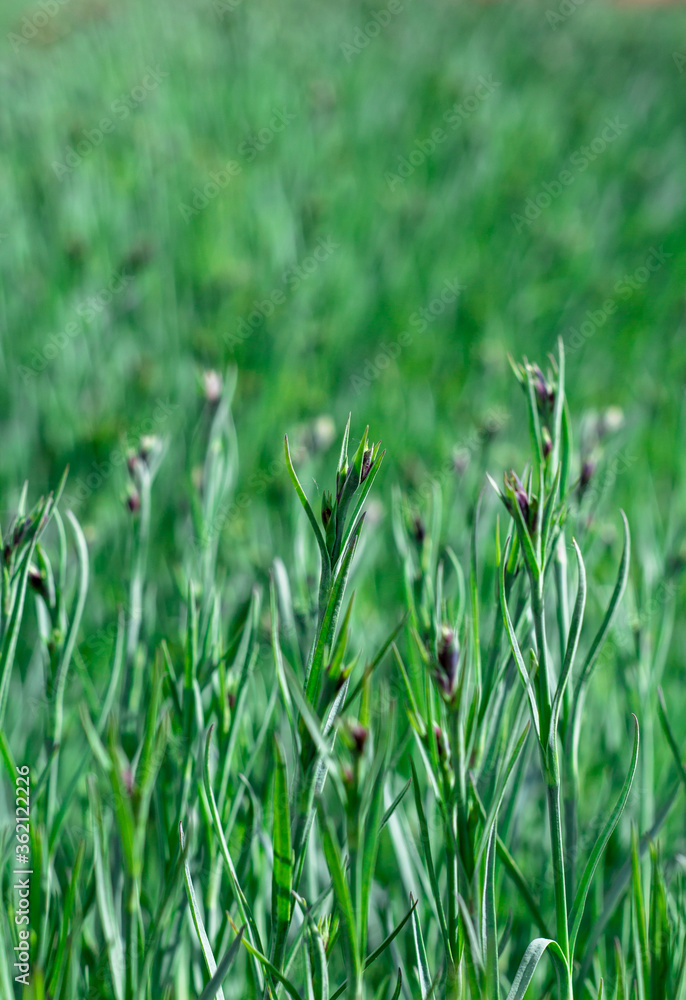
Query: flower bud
(448, 658)
(327, 507)
(133, 501)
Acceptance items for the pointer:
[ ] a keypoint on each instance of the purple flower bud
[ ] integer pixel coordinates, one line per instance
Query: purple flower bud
(359, 734)
(545, 393)
(448, 658)
(366, 464)
(547, 442)
(133, 501)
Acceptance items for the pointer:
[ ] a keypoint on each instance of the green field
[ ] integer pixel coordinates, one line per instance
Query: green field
(223, 222)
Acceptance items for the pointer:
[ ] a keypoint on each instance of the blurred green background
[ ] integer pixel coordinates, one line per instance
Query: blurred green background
(526, 161)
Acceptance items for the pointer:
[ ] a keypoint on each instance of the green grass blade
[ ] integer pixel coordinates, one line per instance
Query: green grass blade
(398, 986)
(423, 973)
(104, 896)
(213, 988)
(426, 850)
(489, 927)
(326, 564)
(639, 923)
(529, 963)
(341, 891)
(282, 870)
(572, 644)
(198, 922)
(669, 733)
(577, 911)
(514, 644)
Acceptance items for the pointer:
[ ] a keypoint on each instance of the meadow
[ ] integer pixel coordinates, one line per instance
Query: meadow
(332, 719)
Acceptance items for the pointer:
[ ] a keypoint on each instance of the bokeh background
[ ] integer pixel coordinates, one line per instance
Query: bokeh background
(359, 207)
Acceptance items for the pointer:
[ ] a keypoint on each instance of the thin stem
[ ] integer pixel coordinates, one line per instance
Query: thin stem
(556, 842)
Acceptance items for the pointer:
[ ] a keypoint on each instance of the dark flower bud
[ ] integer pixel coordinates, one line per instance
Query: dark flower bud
(327, 507)
(19, 530)
(588, 467)
(526, 503)
(36, 580)
(133, 501)
(448, 658)
(359, 734)
(366, 464)
(419, 530)
(545, 393)
(547, 442)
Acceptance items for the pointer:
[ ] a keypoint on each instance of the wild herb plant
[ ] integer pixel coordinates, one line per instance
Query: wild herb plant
(254, 803)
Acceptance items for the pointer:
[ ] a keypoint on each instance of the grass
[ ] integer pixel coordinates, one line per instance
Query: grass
(277, 794)
(181, 658)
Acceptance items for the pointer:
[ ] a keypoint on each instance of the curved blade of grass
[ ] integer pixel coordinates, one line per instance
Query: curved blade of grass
(243, 906)
(499, 794)
(472, 949)
(380, 950)
(11, 632)
(423, 973)
(489, 926)
(572, 645)
(398, 986)
(325, 634)
(667, 729)
(529, 963)
(341, 890)
(370, 848)
(601, 635)
(282, 870)
(394, 804)
(426, 850)
(621, 880)
(326, 564)
(639, 923)
(512, 867)
(271, 969)
(317, 965)
(371, 667)
(66, 917)
(197, 920)
(514, 644)
(577, 911)
(213, 988)
(104, 895)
